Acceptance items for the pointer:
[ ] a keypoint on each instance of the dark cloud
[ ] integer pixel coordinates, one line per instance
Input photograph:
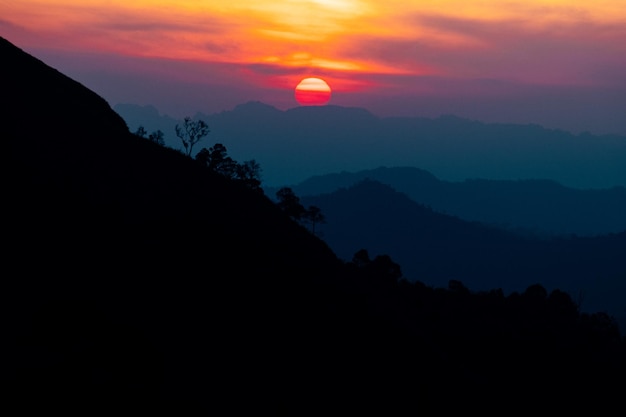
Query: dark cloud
(154, 23)
(5, 24)
(221, 47)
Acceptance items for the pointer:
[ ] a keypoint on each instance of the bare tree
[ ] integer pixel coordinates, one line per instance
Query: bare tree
(191, 132)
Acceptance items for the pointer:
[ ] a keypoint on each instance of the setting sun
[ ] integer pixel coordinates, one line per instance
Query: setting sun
(313, 92)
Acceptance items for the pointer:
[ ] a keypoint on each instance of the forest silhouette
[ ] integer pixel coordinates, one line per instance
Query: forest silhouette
(138, 279)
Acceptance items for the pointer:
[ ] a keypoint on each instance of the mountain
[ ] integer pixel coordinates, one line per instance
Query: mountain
(539, 207)
(434, 248)
(137, 279)
(150, 117)
(134, 276)
(301, 142)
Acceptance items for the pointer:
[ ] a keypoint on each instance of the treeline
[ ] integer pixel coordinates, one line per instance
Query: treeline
(535, 312)
(483, 348)
(215, 158)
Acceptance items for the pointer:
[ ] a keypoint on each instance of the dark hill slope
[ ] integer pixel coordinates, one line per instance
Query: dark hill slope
(109, 235)
(68, 143)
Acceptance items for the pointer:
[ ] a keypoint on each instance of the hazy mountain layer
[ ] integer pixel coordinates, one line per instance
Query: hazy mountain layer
(434, 248)
(538, 207)
(301, 142)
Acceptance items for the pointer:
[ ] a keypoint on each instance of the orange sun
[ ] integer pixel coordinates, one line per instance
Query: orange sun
(312, 92)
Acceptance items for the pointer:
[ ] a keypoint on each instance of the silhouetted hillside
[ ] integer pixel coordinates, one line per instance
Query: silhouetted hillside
(111, 234)
(540, 207)
(136, 279)
(296, 144)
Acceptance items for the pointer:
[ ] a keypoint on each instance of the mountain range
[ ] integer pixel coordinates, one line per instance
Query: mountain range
(137, 279)
(433, 248)
(298, 143)
(530, 207)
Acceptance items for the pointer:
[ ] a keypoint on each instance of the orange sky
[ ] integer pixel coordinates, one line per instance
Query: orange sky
(357, 45)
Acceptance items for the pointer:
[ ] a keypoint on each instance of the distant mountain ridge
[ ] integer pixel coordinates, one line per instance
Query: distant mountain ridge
(298, 143)
(539, 207)
(434, 247)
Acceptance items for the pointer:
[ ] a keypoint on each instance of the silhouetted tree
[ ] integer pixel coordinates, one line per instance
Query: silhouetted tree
(385, 268)
(157, 137)
(203, 156)
(141, 132)
(314, 216)
(457, 286)
(561, 303)
(289, 203)
(249, 173)
(381, 268)
(361, 258)
(217, 160)
(191, 132)
(536, 292)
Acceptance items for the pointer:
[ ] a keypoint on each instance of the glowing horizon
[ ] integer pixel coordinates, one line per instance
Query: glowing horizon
(324, 34)
(357, 45)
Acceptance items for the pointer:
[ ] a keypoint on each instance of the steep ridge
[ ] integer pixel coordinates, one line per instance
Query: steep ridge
(114, 240)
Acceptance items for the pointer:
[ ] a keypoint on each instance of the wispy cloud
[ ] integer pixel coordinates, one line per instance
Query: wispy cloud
(485, 48)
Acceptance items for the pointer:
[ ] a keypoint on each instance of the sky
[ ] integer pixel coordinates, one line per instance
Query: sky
(559, 63)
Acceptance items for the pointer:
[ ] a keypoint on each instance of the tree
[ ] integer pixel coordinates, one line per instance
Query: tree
(217, 160)
(141, 132)
(289, 203)
(220, 162)
(458, 287)
(157, 137)
(250, 174)
(381, 268)
(386, 269)
(314, 215)
(191, 133)
(361, 258)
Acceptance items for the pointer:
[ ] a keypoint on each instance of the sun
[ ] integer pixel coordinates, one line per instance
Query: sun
(313, 92)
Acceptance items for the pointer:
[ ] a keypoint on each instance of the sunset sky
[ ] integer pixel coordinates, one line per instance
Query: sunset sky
(560, 63)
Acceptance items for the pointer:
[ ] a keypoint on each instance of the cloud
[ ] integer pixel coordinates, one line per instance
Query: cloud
(398, 57)
(513, 49)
